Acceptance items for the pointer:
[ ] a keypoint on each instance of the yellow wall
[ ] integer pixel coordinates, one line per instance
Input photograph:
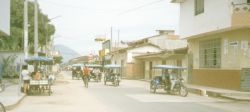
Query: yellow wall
(235, 58)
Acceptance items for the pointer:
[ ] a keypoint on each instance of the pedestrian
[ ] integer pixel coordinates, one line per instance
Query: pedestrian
(25, 78)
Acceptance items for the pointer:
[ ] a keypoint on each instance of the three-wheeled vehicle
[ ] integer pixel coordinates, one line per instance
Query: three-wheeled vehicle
(77, 71)
(112, 74)
(95, 72)
(44, 84)
(171, 80)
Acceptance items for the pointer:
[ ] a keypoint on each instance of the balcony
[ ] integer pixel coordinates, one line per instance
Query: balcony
(241, 14)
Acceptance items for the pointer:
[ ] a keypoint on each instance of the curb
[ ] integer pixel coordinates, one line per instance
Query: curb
(214, 94)
(12, 106)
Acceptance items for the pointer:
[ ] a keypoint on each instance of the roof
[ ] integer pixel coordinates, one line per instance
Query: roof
(136, 46)
(218, 31)
(175, 54)
(177, 1)
(169, 36)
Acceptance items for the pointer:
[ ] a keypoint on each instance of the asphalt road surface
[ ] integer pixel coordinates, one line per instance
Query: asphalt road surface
(131, 96)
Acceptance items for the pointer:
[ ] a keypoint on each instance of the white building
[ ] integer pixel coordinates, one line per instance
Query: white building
(218, 34)
(5, 17)
(133, 60)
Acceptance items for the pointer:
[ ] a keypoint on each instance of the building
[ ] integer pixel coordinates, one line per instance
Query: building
(176, 57)
(4, 17)
(133, 59)
(218, 34)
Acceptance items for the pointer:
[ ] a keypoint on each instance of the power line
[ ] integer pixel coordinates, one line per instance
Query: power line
(139, 7)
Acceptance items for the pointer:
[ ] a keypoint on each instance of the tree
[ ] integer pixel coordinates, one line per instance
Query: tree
(15, 41)
(58, 59)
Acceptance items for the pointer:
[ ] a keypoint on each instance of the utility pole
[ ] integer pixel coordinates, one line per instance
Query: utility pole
(26, 28)
(36, 29)
(111, 39)
(118, 36)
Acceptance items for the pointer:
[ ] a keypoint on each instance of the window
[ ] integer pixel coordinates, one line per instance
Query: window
(199, 7)
(210, 53)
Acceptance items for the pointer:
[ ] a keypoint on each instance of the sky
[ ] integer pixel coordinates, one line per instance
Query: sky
(81, 21)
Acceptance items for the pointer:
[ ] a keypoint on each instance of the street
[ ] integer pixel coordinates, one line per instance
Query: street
(131, 96)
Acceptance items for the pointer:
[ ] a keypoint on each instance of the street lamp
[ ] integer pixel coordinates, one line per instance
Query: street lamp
(46, 26)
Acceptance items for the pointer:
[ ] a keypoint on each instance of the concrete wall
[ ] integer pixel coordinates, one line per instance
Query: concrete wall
(139, 51)
(5, 16)
(233, 59)
(165, 42)
(217, 15)
(227, 79)
(5, 54)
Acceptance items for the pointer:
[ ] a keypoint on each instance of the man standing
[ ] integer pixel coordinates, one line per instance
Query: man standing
(26, 78)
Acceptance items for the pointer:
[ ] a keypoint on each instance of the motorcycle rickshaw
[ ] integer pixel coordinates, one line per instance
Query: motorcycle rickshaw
(112, 74)
(95, 72)
(76, 71)
(42, 85)
(169, 82)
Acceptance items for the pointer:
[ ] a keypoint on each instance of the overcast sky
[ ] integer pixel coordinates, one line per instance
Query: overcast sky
(83, 20)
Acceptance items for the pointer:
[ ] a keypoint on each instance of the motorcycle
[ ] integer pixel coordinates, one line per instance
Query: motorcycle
(165, 83)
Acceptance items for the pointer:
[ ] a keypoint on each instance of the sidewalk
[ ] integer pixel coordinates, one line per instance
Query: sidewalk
(10, 97)
(216, 92)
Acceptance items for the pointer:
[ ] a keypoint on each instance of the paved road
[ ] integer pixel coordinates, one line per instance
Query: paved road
(132, 96)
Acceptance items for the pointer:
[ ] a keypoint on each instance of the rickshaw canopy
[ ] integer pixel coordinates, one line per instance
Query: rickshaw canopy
(77, 65)
(112, 66)
(93, 65)
(169, 67)
(39, 59)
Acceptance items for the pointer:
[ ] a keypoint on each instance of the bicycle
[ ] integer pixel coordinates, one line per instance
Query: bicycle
(2, 108)
(86, 81)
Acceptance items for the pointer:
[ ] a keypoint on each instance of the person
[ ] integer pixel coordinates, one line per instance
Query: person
(25, 78)
(166, 79)
(86, 73)
(173, 79)
(37, 75)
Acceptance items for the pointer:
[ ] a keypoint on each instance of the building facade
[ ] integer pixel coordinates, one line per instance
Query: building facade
(4, 17)
(218, 34)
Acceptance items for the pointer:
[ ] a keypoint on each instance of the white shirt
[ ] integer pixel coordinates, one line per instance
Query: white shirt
(25, 75)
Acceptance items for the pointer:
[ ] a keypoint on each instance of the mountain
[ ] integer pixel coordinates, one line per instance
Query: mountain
(66, 52)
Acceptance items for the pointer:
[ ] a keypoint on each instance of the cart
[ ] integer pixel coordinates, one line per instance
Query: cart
(112, 74)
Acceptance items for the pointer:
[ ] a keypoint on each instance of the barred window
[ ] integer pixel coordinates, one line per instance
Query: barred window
(199, 7)
(210, 53)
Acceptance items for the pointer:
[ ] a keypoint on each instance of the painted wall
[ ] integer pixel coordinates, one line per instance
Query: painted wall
(5, 16)
(165, 42)
(5, 54)
(231, 57)
(139, 51)
(217, 15)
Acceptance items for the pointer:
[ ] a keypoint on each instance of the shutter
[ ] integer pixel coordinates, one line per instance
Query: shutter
(245, 79)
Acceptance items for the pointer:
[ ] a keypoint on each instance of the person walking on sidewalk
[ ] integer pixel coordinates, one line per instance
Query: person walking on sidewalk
(25, 78)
